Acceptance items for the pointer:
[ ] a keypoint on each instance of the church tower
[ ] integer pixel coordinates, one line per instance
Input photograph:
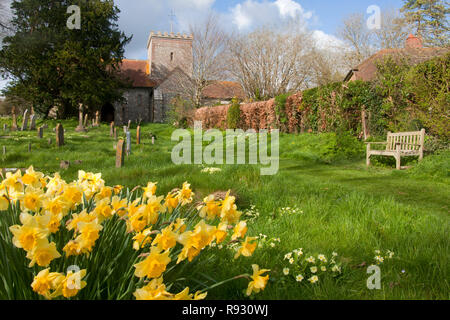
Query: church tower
(167, 52)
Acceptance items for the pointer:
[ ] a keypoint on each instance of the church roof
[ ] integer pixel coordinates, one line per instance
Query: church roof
(223, 90)
(137, 71)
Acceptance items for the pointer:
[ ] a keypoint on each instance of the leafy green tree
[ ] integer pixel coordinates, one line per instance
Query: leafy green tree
(49, 64)
(234, 114)
(430, 19)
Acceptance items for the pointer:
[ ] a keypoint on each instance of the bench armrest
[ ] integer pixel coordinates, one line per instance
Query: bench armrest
(409, 144)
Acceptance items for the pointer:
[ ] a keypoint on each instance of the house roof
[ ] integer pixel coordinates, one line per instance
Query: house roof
(223, 90)
(414, 52)
(137, 71)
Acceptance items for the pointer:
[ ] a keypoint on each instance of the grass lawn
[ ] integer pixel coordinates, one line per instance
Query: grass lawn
(342, 206)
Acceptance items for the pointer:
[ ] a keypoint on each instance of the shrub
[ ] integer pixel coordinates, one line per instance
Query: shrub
(234, 114)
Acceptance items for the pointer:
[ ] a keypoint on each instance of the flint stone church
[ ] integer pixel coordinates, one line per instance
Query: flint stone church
(155, 81)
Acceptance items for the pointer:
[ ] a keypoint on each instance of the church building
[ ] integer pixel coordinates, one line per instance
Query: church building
(155, 81)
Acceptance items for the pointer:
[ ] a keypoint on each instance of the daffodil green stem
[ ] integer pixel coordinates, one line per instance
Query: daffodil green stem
(246, 275)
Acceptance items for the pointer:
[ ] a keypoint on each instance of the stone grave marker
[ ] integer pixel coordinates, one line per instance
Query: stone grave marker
(14, 120)
(138, 135)
(120, 153)
(41, 132)
(125, 129)
(129, 125)
(153, 139)
(128, 143)
(59, 135)
(5, 127)
(80, 127)
(4, 150)
(33, 122)
(29, 147)
(85, 120)
(111, 129)
(49, 141)
(97, 118)
(115, 133)
(24, 121)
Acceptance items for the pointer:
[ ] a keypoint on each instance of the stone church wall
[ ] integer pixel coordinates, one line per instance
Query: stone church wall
(138, 106)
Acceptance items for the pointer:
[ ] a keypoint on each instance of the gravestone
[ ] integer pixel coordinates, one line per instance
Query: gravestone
(115, 133)
(81, 126)
(49, 141)
(129, 125)
(128, 143)
(29, 147)
(153, 139)
(64, 164)
(120, 153)
(59, 135)
(5, 127)
(97, 118)
(138, 135)
(85, 120)
(111, 129)
(4, 150)
(24, 121)
(14, 120)
(33, 122)
(41, 132)
(125, 129)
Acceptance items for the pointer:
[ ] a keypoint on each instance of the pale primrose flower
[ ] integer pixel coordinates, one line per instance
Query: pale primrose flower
(323, 268)
(313, 279)
(311, 259)
(291, 260)
(380, 259)
(299, 278)
(322, 258)
(313, 269)
(286, 271)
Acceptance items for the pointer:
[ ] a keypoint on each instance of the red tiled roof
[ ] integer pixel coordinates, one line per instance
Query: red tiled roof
(137, 71)
(223, 90)
(367, 70)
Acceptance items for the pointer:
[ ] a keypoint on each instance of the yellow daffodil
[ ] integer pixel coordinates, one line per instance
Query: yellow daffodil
(150, 189)
(73, 283)
(247, 248)
(229, 212)
(185, 195)
(119, 206)
(32, 178)
(153, 265)
(185, 295)
(167, 239)
(258, 282)
(154, 290)
(210, 209)
(239, 230)
(43, 253)
(171, 202)
(142, 238)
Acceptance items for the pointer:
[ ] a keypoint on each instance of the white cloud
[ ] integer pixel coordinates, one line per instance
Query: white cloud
(251, 14)
(326, 41)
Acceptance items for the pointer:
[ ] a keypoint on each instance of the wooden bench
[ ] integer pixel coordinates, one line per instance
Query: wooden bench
(400, 144)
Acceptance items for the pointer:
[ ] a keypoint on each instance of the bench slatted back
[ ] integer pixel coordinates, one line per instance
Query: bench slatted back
(409, 141)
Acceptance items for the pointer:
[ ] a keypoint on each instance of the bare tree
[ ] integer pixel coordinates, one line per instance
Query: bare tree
(394, 30)
(209, 63)
(268, 63)
(359, 39)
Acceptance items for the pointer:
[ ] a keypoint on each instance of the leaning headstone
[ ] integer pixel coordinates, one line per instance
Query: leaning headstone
(129, 125)
(33, 122)
(115, 133)
(111, 129)
(120, 153)
(25, 121)
(5, 127)
(125, 129)
(138, 135)
(14, 120)
(59, 135)
(128, 143)
(41, 132)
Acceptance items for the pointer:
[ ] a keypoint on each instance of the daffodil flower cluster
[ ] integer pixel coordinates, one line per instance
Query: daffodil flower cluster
(312, 267)
(164, 233)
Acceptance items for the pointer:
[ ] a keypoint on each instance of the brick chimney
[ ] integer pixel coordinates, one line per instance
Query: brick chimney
(413, 42)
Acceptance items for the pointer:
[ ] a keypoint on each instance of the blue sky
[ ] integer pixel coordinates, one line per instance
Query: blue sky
(139, 17)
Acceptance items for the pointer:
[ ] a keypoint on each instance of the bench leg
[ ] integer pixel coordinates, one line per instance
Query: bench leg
(368, 159)
(398, 162)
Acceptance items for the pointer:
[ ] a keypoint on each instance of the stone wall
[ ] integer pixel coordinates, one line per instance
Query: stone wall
(138, 106)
